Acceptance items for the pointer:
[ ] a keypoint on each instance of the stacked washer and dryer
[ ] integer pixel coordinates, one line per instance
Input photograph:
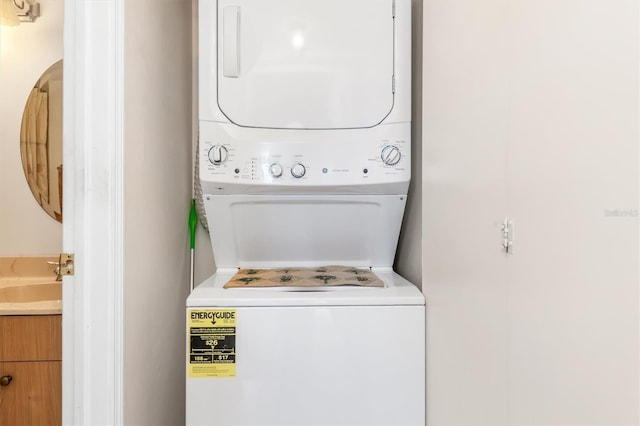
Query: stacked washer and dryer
(305, 136)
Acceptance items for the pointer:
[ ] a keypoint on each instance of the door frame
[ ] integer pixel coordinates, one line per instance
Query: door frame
(92, 379)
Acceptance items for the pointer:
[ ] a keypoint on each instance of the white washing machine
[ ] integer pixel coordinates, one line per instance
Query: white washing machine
(305, 124)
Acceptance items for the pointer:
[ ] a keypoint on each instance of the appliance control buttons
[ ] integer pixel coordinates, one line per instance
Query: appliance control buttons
(391, 155)
(298, 170)
(218, 154)
(275, 170)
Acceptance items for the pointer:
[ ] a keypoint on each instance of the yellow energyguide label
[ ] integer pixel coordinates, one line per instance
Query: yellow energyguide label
(211, 347)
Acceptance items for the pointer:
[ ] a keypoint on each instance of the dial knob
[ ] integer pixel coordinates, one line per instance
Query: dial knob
(275, 170)
(218, 154)
(298, 170)
(391, 155)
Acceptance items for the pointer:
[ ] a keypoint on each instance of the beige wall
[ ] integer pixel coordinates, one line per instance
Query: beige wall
(157, 185)
(409, 254)
(26, 51)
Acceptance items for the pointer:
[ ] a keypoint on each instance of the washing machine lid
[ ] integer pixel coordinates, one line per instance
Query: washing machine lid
(308, 230)
(305, 64)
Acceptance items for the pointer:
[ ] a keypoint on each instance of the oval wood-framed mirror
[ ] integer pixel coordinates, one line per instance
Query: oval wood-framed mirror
(41, 141)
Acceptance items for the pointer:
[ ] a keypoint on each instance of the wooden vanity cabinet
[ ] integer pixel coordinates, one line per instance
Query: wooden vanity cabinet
(31, 354)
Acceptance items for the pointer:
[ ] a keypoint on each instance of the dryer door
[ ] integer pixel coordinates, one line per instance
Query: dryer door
(305, 64)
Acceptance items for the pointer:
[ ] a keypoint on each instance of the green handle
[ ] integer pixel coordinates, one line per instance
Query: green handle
(193, 221)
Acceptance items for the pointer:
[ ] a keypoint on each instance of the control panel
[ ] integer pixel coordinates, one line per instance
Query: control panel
(234, 155)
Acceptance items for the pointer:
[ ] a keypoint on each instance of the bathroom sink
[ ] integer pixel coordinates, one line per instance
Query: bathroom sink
(28, 298)
(31, 293)
(28, 287)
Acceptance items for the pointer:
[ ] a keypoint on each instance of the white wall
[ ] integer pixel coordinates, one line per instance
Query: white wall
(26, 51)
(158, 78)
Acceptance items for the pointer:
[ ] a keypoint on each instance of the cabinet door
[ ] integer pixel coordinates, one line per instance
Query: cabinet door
(573, 195)
(547, 334)
(30, 337)
(464, 200)
(34, 396)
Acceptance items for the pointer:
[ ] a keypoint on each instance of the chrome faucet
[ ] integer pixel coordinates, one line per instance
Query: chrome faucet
(57, 270)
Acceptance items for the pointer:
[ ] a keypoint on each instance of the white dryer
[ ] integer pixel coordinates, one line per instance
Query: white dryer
(305, 123)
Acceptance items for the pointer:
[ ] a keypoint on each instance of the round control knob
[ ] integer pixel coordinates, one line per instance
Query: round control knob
(275, 170)
(298, 170)
(5, 380)
(218, 154)
(391, 155)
